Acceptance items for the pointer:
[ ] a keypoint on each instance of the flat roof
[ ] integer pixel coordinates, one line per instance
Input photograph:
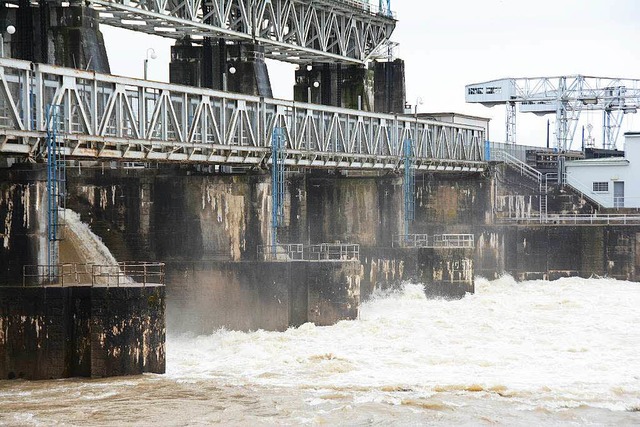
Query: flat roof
(467, 116)
(604, 161)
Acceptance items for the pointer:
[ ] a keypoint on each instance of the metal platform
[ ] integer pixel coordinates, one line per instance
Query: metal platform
(118, 118)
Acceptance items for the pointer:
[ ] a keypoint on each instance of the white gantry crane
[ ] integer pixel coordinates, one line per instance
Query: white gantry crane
(564, 96)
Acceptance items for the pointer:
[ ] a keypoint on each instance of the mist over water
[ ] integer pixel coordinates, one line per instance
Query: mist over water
(513, 353)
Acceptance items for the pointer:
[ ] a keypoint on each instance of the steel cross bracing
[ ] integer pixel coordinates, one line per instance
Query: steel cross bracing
(118, 118)
(297, 31)
(566, 97)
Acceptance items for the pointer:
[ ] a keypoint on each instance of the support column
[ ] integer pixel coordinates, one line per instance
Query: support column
(51, 34)
(389, 84)
(338, 85)
(217, 65)
(446, 272)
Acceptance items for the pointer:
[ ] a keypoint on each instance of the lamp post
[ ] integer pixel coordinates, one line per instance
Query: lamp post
(151, 53)
(315, 84)
(10, 30)
(418, 102)
(225, 82)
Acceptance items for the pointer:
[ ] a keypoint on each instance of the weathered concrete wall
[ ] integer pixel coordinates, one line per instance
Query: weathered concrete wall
(553, 251)
(333, 290)
(255, 295)
(364, 210)
(446, 272)
(23, 213)
(454, 203)
(55, 332)
(170, 214)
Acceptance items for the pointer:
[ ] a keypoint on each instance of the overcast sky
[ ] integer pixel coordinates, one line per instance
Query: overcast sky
(449, 44)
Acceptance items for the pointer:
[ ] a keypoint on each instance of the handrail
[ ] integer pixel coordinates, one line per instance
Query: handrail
(584, 190)
(95, 275)
(317, 252)
(434, 241)
(519, 165)
(579, 219)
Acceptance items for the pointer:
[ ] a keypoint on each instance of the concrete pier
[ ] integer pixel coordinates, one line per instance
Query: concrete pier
(218, 65)
(81, 331)
(447, 272)
(57, 34)
(338, 85)
(261, 295)
(390, 89)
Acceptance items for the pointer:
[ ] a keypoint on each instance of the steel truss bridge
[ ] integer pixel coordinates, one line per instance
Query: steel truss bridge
(299, 31)
(101, 116)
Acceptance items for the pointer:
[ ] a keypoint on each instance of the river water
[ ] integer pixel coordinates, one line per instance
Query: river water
(531, 353)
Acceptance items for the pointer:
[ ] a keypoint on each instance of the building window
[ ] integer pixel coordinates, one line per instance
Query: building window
(601, 187)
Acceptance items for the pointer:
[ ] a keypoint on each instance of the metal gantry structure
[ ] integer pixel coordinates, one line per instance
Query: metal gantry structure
(299, 31)
(564, 96)
(117, 118)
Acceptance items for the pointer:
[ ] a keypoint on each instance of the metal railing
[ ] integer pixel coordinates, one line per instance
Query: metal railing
(281, 252)
(579, 219)
(434, 241)
(75, 274)
(300, 252)
(332, 251)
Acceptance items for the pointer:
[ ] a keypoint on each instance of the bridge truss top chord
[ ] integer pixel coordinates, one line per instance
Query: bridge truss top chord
(118, 118)
(298, 31)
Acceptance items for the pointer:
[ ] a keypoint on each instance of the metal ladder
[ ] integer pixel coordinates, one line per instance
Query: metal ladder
(278, 156)
(409, 185)
(56, 190)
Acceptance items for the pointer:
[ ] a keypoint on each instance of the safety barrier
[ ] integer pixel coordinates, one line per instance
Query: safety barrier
(434, 241)
(318, 252)
(76, 274)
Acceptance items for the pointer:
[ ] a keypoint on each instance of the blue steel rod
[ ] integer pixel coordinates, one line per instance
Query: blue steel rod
(409, 185)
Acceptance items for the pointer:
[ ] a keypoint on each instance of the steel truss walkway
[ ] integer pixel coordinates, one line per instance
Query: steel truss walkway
(298, 31)
(109, 117)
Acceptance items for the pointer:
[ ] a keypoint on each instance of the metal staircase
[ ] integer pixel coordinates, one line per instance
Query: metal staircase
(56, 190)
(530, 172)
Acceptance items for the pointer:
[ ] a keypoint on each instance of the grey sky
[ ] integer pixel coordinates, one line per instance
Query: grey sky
(448, 44)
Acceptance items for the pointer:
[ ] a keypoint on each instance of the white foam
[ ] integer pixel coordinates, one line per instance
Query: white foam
(91, 246)
(555, 344)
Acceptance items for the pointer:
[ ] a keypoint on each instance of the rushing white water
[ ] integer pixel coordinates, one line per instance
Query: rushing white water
(88, 244)
(514, 353)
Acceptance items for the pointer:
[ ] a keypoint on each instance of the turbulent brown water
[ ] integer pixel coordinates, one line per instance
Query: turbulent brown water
(563, 352)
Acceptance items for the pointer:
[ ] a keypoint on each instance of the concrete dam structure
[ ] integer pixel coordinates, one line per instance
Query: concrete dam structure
(121, 197)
